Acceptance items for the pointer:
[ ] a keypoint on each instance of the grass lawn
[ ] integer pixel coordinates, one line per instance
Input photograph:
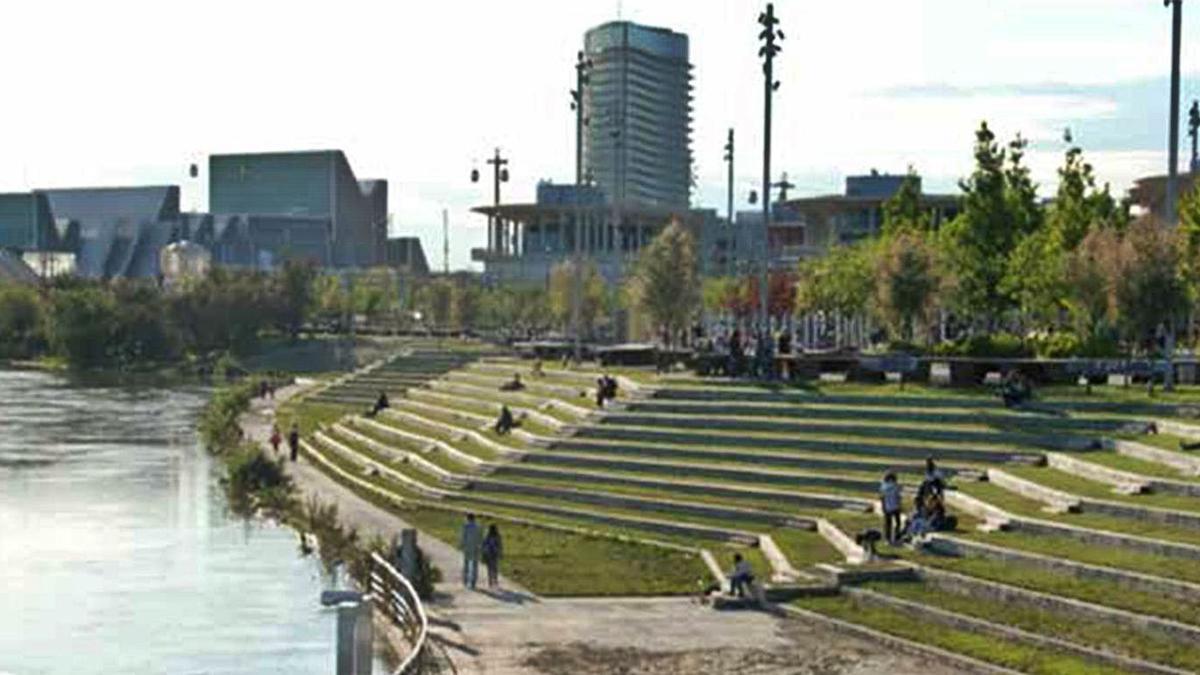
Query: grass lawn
(1022, 506)
(988, 648)
(1067, 548)
(1082, 487)
(551, 562)
(804, 548)
(1072, 627)
(464, 443)
(1116, 460)
(309, 416)
(1096, 591)
(436, 456)
(1161, 441)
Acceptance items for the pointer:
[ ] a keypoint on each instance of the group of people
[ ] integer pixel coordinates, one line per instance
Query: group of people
(929, 508)
(606, 389)
(476, 546)
(293, 440)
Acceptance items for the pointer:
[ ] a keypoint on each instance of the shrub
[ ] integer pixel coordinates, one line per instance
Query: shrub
(993, 345)
(257, 484)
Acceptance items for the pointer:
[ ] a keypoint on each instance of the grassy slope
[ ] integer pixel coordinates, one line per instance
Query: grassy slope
(983, 647)
(1067, 626)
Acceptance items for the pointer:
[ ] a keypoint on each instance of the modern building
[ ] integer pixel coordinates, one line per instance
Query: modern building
(810, 225)
(406, 255)
(1149, 194)
(638, 101)
(533, 238)
(290, 199)
(111, 232)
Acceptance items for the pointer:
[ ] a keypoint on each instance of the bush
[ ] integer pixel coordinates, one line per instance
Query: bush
(257, 484)
(220, 430)
(20, 322)
(1065, 345)
(996, 345)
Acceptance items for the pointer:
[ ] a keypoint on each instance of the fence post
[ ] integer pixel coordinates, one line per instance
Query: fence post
(408, 554)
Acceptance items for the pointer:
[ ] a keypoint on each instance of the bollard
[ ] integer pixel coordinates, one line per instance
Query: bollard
(347, 619)
(408, 554)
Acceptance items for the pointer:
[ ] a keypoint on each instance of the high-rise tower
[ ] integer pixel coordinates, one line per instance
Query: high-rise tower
(637, 146)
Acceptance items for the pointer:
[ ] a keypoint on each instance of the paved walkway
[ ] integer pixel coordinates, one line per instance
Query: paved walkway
(513, 633)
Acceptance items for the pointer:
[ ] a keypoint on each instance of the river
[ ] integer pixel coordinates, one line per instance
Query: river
(117, 554)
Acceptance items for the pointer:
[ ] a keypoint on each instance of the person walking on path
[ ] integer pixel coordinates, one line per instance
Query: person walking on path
(276, 439)
(294, 441)
(493, 549)
(471, 541)
(889, 499)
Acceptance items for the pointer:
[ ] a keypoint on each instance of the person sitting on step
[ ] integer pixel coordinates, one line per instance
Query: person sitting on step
(867, 540)
(514, 384)
(741, 579)
(381, 403)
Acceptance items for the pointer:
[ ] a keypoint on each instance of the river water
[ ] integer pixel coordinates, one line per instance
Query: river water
(117, 554)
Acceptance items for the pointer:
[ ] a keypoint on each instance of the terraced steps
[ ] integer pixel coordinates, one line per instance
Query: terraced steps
(728, 441)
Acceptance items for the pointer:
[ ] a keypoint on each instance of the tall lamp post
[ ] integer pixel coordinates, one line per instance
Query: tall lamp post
(729, 204)
(583, 66)
(769, 35)
(1173, 150)
(1194, 132)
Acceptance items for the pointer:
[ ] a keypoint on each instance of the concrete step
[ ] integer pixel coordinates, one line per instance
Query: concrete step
(681, 488)
(723, 441)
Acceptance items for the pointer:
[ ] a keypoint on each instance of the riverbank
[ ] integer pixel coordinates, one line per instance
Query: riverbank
(514, 631)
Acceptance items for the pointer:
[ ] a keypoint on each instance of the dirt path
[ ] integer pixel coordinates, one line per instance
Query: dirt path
(514, 633)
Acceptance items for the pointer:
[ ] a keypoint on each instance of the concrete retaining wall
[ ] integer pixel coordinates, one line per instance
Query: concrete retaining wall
(446, 398)
(1124, 482)
(343, 450)
(1189, 465)
(1056, 499)
(1135, 581)
(1102, 538)
(495, 446)
(398, 455)
(440, 445)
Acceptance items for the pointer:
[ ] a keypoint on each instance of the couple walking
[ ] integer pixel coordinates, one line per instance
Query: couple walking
(476, 545)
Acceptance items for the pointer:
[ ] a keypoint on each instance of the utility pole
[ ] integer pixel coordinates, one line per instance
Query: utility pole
(582, 66)
(1173, 150)
(1194, 132)
(1173, 169)
(783, 185)
(499, 175)
(768, 35)
(729, 238)
(445, 242)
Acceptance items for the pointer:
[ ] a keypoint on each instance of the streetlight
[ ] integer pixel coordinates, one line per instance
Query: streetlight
(583, 66)
(729, 198)
(1173, 135)
(499, 175)
(769, 34)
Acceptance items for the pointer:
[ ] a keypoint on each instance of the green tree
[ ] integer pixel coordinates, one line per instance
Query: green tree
(1151, 291)
(907, 279)
(594, 301)
(999, 208)
(665, 284)
(464, 304)
(433, 300)
(840, 282)
(80, 324)
(904, 212)
(20, 321)
(295, 290)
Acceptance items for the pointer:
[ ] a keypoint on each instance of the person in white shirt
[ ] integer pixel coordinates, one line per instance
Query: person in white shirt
(742, 578)
(471, 543)
(890, 500)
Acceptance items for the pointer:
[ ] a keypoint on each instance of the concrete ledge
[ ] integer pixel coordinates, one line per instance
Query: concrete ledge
(991, 591)
(398, 455)
(1189, 431)
(1105, 538)
(1136, 581)
(841, 541)
(634, 434)
(532, 386)
(691, 487)
(976, 625)
(980, 509)
(444, 447)
(1151, 514)
(964, 664)
(781, 567)
(370, 464)
(450, 399)
(1187, 464)
(1056, 499)
(1123, 481)
(582, 378)
(499, 448)
(616, 500)
(515, 396)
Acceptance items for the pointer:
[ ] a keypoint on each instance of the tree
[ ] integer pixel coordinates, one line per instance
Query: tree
(594, 301)
(295, 288)
(464, 304)
(907, 280)
(665, 283)
(1150, 292)
(80, 324)
(20, 321)
(999, 208)
(433, 301)
(1090, 275)
(903, 212)
(840, 282)
(720, 294)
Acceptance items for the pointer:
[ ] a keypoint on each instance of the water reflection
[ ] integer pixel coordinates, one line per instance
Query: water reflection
(116, 554)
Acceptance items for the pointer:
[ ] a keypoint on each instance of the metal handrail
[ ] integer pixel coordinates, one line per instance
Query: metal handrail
(398, 600)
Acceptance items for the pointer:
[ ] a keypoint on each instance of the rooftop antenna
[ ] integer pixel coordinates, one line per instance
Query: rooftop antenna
(445, 242)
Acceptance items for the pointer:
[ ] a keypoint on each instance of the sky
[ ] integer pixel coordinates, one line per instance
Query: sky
(124, 92)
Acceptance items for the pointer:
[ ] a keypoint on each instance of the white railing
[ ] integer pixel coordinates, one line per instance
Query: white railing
(397, 599)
